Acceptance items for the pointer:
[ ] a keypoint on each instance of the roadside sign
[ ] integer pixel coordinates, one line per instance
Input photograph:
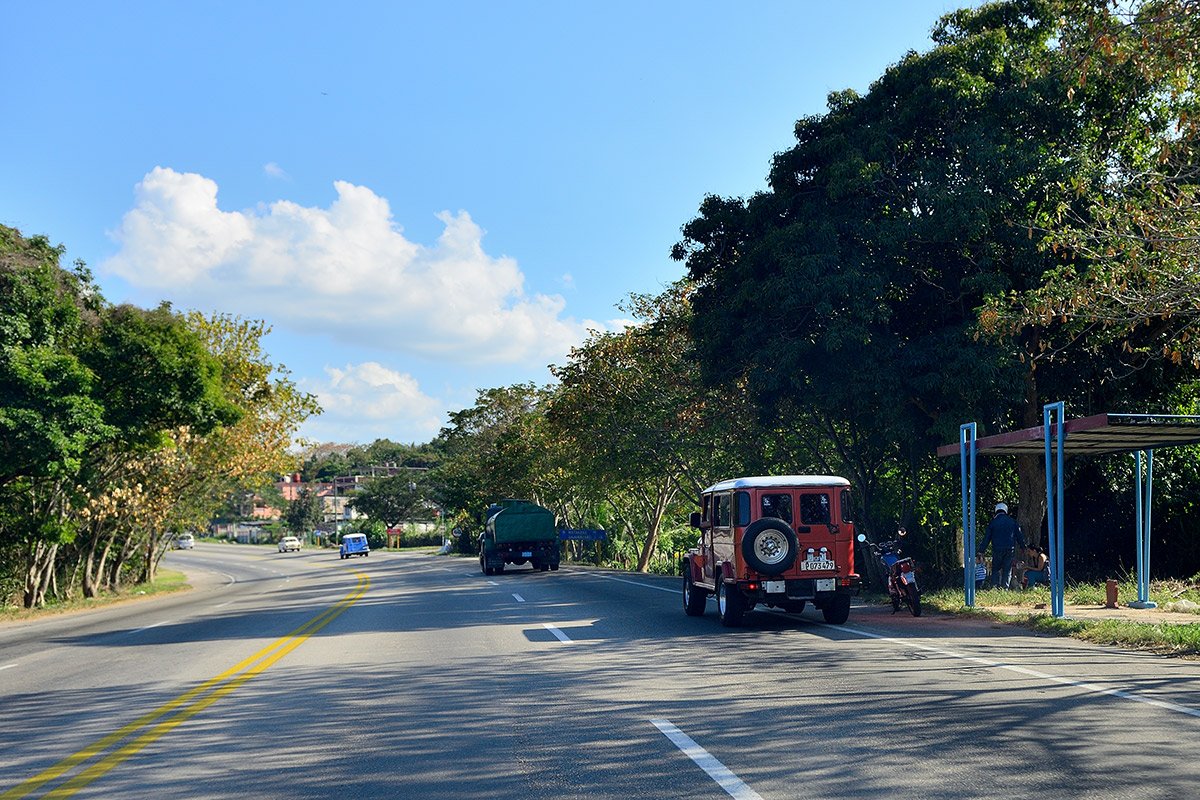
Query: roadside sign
(583, 534)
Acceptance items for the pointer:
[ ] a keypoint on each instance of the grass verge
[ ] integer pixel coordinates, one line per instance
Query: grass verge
(1165, 638)
(166, 582)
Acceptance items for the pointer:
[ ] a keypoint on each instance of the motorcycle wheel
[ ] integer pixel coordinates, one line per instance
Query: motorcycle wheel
(895, 595)
(914, 599)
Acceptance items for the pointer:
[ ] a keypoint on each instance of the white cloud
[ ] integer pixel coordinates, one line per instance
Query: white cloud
(275, 171)
(368, 401)
(346, 270)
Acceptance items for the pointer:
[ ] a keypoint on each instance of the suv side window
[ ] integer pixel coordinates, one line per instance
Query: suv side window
(722, 516)
(846, 517)
(814, 509)
(777, 505)
(743, 509)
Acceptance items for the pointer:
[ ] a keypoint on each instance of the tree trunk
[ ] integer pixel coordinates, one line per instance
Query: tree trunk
(1031, 470)
(1031, 500)
(38, 573)
(151, 565)
(665, 493)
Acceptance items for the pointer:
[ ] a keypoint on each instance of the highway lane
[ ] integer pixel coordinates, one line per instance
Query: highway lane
(436, 681)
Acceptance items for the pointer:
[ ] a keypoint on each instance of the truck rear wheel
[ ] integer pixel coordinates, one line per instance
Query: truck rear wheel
(731, 604)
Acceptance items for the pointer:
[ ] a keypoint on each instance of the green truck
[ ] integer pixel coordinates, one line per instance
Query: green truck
(518, 532)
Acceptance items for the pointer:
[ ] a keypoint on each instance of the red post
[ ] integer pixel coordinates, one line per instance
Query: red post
(1110, 594)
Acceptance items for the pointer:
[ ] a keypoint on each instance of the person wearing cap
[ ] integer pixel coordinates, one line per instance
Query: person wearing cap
(1004, 534)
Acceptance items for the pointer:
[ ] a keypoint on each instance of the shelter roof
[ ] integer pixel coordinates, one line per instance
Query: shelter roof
(1098, 434)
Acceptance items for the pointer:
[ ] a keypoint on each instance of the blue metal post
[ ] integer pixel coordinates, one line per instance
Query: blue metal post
(1141, 493)
(1054, 504)
(966, 457)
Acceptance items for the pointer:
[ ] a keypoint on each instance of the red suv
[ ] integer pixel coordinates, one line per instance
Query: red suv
(782, 541)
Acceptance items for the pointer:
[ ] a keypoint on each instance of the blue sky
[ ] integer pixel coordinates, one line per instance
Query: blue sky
(422, 199)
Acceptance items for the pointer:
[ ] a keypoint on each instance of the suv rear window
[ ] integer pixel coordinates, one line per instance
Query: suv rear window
(777, 505)
(814, 509)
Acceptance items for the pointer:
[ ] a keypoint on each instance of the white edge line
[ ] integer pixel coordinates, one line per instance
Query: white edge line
(562, 637)
(493, 583)
(732, 784)
(1089, 687)
(148, 627)
(1033, 673)
(7, 666)
(518, 597)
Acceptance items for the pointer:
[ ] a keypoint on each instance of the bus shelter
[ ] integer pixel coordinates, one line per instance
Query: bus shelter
(1054, 439)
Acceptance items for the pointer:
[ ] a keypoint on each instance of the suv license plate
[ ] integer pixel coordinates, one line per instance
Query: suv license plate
(813, 565)
(526, 554)
(775, 587)
(826, 585)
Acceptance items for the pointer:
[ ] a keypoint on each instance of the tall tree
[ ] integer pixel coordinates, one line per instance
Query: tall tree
(490, 451)
(390, 500)
(304, 513)
(845, 295)
(637, 425)
(1127, 280)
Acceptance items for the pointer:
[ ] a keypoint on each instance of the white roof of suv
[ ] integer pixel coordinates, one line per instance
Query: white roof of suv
(773, 481)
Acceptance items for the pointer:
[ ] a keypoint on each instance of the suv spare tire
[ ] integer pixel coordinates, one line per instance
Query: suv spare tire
(770, 546)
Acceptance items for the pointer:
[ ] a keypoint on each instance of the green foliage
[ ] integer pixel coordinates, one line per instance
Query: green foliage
(119, 425)
(390, 500)
(846, 296)
(49, 417)
(304, 513)
(1126, 281)
(493, 450)
(328, 462)
(154, 373)
(374, 529)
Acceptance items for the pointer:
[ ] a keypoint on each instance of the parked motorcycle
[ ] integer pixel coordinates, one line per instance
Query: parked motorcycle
(900, 572)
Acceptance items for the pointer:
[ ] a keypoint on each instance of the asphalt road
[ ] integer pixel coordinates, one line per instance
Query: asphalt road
(406, 676)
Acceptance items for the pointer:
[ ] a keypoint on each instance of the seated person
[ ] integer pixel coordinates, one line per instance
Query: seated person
(981, 571)
(1037, 568)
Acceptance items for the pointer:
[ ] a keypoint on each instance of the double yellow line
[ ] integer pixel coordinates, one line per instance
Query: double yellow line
(156, 724)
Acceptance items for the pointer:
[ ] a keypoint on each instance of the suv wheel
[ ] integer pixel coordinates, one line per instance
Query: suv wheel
(770, 546)
(693, 599)
(836, 609)
(731, 604)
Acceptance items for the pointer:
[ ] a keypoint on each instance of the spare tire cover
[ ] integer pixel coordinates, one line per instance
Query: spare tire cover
(770, 546)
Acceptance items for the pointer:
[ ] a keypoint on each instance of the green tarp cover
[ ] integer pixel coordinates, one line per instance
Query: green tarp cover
(521, 521)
